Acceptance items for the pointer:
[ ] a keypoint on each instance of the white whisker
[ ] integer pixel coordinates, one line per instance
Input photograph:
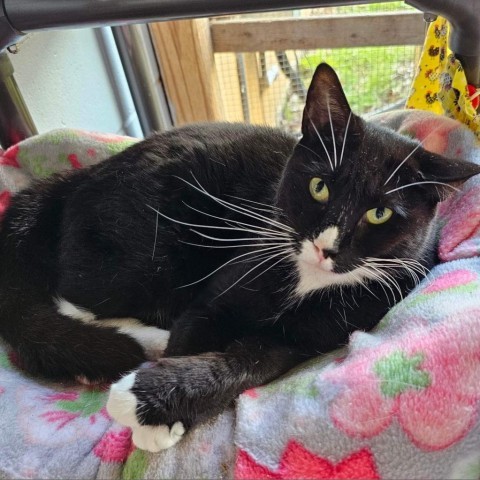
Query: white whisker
(402, 162)
(241, 209)
(257, 208)
(251, 270)
(345, 136)
(251, 245)
(241, 239)
(323, 144)
(225, 264)
(256, 203)
(265, 271)
(384, 277)
(410, 154)
(344, 318)
(309, 149)
(236, 208)
(362, 283)
(399, 263)
(421, 183)
(333, 134)
(261, 256)
(382, 266)
(155, 241)
(384, 283)
(264, 230)
(215, 227)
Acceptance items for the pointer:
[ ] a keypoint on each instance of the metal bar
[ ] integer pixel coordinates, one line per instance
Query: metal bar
(141, 69)
(15, 121)
(8, 34)
(26, 15)
(17, 16)
(20, 16)
(116, 72)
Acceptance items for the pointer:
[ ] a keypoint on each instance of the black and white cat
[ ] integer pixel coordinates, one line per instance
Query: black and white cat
(255, 250)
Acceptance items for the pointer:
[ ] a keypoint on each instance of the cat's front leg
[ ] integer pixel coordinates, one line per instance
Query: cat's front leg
(162, 402)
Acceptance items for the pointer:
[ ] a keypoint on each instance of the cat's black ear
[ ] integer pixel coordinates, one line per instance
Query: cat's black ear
(453, 171)
(326, 103)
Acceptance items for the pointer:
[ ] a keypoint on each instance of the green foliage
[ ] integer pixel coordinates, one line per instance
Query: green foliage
(372, 77)
(374, 8)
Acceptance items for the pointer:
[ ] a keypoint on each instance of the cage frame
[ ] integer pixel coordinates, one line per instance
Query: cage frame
(18, 17)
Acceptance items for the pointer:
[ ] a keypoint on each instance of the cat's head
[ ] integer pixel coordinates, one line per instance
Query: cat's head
(353, 192)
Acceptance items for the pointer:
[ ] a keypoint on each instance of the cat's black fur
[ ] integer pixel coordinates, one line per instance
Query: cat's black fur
(117, 239)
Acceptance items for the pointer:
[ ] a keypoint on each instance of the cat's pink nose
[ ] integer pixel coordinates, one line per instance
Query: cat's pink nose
(319, 252)
(325, 253)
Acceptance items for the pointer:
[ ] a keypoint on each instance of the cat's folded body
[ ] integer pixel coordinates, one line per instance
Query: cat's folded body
(255, 250)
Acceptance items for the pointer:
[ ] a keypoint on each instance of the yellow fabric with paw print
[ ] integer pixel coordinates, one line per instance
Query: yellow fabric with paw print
(440, 85)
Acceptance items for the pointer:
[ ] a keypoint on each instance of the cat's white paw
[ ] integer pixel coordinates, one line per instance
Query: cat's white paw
(122, 406)
(158, 438)
(122, 403)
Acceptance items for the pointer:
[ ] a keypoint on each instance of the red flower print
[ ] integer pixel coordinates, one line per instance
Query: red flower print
(9, 157)
(74, 162)
(297, 462)
(115, 446)
(5, 197)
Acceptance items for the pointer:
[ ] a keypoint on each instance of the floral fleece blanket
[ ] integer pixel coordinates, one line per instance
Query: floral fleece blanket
(401, 401)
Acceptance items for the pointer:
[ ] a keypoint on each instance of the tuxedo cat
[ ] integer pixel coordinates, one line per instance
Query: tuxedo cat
(255, 250)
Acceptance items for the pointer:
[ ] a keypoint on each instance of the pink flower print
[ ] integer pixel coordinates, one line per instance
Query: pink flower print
(115, 446)
(361, 410)
(457, 278)
(432, 130)
(429, 383)
(72, 405)
(60, 418)
(462, 215)
(456, 282)
(61, 396)
(251, 392)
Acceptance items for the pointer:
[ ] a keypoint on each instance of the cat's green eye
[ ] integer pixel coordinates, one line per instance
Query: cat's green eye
(319, 190)
(378, 215)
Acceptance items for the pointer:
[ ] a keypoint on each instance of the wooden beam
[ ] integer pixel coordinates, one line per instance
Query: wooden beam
(230, 93)
(185, 57)
(254, 94)
(305, 33)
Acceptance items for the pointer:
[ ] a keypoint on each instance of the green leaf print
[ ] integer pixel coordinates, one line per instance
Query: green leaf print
(135, 466)
(399, 372)
(116, 147)
(86, 404)
(5, 361)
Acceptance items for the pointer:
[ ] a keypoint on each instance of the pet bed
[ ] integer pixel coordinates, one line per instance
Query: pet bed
(401, 401)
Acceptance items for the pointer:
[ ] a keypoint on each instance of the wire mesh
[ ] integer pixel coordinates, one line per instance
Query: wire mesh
(270, 87)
